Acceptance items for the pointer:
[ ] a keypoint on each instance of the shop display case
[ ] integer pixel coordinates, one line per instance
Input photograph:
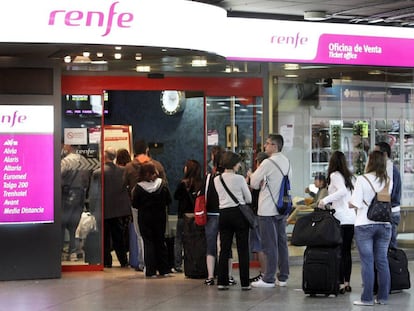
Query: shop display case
(356, 138)
(349, 136)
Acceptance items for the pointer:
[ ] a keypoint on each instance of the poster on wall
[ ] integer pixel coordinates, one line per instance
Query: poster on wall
(118, 136)
(27, 185)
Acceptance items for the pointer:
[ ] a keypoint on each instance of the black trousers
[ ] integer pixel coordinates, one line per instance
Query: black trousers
(114, 237)
(345, 267)
(232, 222)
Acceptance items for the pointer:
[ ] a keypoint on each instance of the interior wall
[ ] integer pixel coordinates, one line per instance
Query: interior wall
(32, 251)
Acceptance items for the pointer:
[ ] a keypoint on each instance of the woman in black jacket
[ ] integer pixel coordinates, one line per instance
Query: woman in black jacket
(151, 197)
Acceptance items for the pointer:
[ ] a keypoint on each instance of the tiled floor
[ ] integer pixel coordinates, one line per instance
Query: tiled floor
(124, 289)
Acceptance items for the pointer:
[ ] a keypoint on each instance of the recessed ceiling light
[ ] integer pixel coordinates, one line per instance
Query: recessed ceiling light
(67, 59)
(315, 16)
(199, 62)
(99, 54)
(80, 59)
(143, 68)
(291, 76)
(291, 66)
(86, 54)
(138, 56)
(118, 48)
(117, 55)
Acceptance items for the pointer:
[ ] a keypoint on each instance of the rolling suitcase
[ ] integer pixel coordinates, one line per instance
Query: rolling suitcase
(321, 271)
(195, 246)
(400, 276)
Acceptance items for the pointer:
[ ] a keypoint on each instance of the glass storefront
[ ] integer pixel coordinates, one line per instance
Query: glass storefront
(320, 109)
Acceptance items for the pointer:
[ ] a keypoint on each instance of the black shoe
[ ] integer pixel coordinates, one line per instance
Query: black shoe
(348, 288)
(232, 281)
(342, 290)
(209, 282)
(256, 278)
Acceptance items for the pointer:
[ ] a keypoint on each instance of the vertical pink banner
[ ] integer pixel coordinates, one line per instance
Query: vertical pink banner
(27, 178)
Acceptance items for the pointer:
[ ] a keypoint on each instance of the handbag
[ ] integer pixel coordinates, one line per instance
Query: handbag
(244, 208)
(318, 228)
(380, 207)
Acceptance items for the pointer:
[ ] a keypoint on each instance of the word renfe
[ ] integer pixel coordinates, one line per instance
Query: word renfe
(12, 119)
(289, 40)
(92, 18)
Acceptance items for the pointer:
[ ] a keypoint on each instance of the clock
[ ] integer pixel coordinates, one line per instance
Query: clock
(172, 102)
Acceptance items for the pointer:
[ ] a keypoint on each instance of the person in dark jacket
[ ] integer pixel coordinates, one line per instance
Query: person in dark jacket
(185, 194)
(150, 197)
(116, 208)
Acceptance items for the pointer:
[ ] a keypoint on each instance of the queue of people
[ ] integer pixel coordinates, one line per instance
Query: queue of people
(141, 189)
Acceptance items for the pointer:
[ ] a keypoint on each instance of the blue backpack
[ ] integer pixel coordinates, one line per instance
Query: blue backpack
(284, 202)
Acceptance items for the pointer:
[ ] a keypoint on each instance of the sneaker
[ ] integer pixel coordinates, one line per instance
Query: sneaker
(281, 283)
(222, 287)
(209, 282)
(362, 303)
(232, 281)
(379, 302)
(256, 278)
(261, 283)
(246, 287)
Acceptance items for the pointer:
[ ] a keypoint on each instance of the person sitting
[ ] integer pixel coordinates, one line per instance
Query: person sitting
(320, 184)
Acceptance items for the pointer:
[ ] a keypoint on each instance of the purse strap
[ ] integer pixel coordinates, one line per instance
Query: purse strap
(228, 191)
(372, 187)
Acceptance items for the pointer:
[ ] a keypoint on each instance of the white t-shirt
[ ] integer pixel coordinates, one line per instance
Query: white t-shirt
(237, 185)
(363, 192)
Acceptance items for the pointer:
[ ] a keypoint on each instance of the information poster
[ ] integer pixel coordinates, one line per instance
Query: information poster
(26, 146)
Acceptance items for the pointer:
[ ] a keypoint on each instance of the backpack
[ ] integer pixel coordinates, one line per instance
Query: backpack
(380, 207)
(200, 206)
(284, 202)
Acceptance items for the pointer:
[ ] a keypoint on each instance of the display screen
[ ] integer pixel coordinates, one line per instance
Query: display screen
(26, 146)
(85, 105)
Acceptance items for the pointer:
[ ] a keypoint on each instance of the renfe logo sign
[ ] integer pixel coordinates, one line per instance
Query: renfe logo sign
(198, 26)
(26, 179)
(105, 19)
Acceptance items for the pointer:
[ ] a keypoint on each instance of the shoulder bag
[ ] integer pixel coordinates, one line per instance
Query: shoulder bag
(380, 207)
(244, 208)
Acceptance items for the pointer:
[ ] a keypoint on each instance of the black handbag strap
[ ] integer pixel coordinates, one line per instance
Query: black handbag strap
(228, 191)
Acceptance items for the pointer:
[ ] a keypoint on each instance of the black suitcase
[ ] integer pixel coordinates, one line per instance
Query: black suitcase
(321, 271)
(400, 276)
(92, 248)
(195, 247)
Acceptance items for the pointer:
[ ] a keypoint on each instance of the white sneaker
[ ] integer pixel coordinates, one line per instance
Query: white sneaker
(261, 283)
(362, 303)
(281, 283)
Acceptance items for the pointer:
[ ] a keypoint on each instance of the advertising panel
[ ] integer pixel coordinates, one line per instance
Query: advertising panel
(26, 146)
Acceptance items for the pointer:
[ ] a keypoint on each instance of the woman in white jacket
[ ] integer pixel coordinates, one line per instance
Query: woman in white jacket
(340, 187)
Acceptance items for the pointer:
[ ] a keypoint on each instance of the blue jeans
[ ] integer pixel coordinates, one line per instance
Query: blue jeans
(212, 230)
(395, 221)
(372, 242)
(178, 243)
(275, 247)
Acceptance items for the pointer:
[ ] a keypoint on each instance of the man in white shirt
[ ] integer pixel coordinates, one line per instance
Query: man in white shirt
(268, 179)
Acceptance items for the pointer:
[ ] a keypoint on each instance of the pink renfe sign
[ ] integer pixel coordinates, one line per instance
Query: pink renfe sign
(26, 184)
(364, 50)
(27, 178)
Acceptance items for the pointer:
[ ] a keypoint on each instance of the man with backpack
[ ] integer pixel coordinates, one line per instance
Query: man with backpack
(268, 178)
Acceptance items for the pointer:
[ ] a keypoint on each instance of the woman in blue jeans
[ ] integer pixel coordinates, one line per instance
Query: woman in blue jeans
(372, 237)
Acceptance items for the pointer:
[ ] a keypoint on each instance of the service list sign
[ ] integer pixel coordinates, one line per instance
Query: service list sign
(26, 148)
